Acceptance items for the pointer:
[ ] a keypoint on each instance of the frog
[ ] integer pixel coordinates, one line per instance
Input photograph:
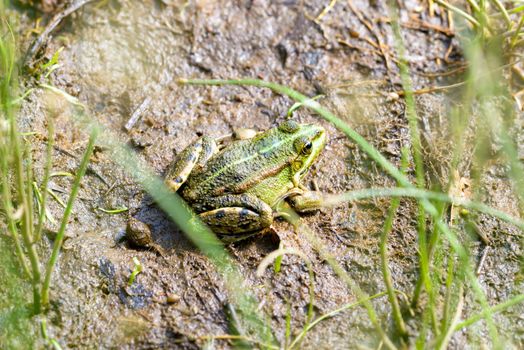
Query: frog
(239, 189)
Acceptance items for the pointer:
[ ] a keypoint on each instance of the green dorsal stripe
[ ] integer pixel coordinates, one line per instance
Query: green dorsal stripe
(270, 148)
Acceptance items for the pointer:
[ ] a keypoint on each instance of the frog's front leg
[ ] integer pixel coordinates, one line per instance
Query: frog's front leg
(306, 201)
(196, 154)
(235, 215)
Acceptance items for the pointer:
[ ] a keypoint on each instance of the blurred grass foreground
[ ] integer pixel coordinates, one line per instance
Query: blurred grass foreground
(486, 103)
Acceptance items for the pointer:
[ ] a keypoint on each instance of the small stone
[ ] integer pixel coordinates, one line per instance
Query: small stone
(392, 96)
(243, 133)
(138, 233)
(172, 298)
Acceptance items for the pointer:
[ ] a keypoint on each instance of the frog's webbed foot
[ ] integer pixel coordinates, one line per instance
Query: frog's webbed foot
(307, 201)
(196, 154)
(235, 215)
(280, 203)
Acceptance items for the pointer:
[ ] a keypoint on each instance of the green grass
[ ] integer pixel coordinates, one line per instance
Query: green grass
(444, 259)
(23, 205)
(484, 62)
(435, 214)
(59, 239)
(384, 260)
(17, 330)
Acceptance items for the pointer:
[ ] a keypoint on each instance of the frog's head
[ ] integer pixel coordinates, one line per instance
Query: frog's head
(308, 142)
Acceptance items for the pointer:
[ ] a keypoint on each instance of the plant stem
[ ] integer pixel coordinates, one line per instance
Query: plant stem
(388, 281)
(8, 86)
(459, 12)
(444, 341)
(317, 244)
(517, 31)
(61, 231)
(45, 181)
(26, 228)
(505, 14)
(291, 251)
(492, 310)
(29, 186)
(9, 211)
(417, 193)
(332, 314)
(419, 165)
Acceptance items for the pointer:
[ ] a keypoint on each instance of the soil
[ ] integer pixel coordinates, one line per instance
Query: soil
(117, 54)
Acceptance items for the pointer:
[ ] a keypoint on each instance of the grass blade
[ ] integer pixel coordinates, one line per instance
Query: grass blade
(67, 212)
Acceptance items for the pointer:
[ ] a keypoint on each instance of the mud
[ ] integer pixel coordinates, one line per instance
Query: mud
(118, 53)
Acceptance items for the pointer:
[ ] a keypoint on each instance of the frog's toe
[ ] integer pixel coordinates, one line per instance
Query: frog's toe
(307, 201)
(174, 184)
(233, 220)
(182, 167)
(209, 148)
(198, 153)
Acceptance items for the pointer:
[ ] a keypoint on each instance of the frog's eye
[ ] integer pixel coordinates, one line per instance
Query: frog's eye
(289, 126)
(307, 147)
(303, 146)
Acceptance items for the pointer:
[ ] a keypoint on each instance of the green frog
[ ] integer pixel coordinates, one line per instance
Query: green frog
(239, 189)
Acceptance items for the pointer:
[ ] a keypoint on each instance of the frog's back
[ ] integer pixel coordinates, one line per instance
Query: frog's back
(241, 166)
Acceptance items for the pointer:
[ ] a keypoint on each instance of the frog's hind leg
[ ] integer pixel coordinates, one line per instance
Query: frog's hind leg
(196, 154)
(236, 215)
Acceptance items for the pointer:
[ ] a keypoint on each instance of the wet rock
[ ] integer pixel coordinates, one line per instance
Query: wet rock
(139, 235)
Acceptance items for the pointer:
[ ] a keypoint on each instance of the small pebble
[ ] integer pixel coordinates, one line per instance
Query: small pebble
(172, 298)
(243, 133)
(138, 233)
(392, 96)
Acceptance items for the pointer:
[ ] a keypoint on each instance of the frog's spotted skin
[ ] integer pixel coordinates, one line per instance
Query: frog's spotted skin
(236, 190)
(234, 213)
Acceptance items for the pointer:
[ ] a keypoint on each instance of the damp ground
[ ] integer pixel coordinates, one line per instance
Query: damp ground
(118, 54)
